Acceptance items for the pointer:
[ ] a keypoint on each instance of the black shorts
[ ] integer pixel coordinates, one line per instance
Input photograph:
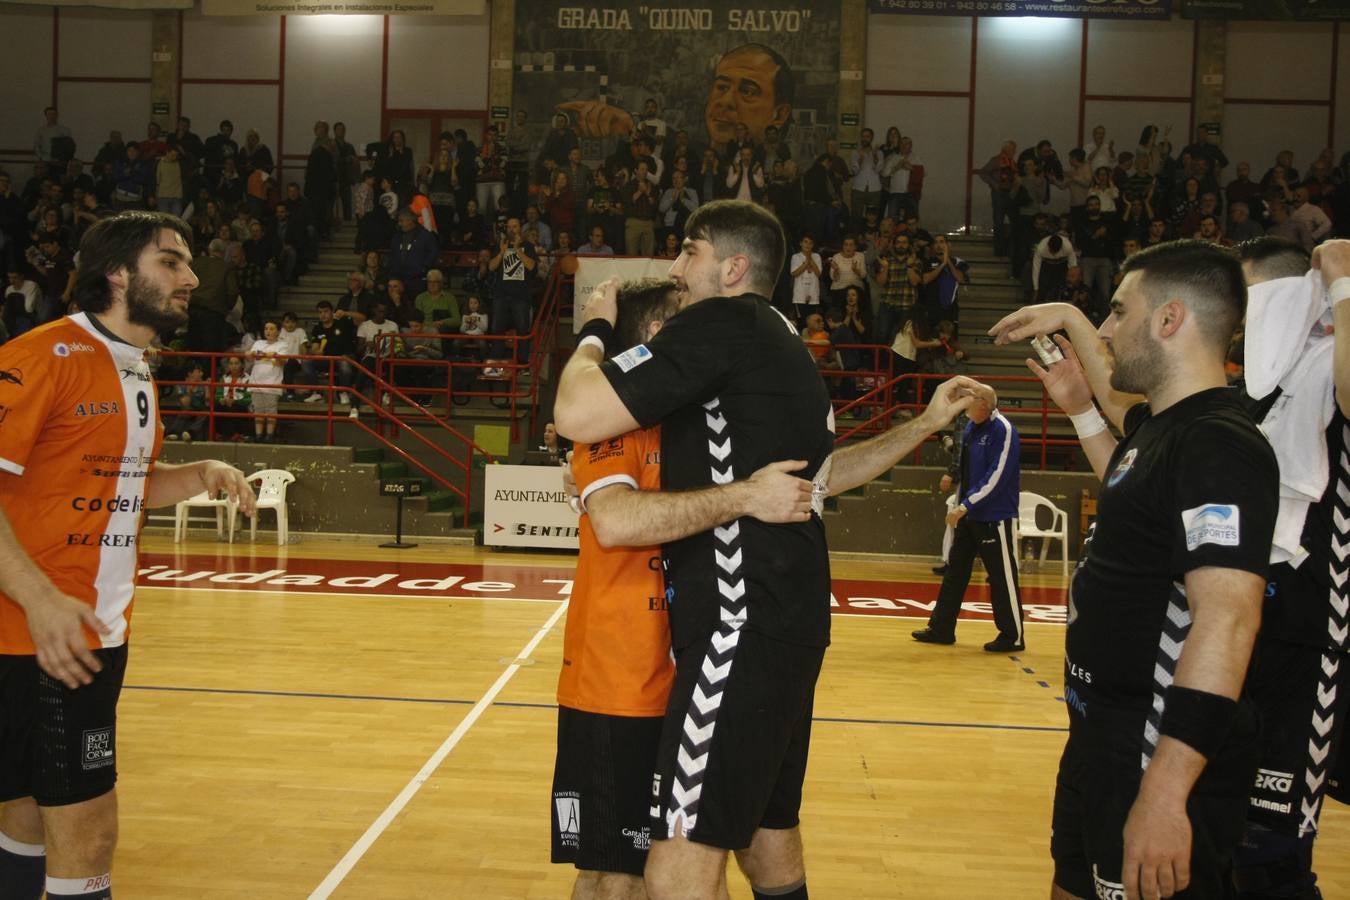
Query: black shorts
(57, 745)
(1097, 784)
(602, 780)
(736, 737)
(1303, 710)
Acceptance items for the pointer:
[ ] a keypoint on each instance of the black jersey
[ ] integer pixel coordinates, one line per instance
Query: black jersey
(1194, 486)
(735, 389)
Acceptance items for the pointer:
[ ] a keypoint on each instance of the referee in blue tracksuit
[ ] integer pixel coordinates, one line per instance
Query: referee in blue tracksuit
(983, 526)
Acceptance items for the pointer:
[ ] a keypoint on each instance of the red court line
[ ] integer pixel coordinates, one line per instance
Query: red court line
(395, 578)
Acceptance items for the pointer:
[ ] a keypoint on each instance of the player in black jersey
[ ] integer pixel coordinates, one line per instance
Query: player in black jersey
(734, 389)
(1300, 676)
(1165, 605)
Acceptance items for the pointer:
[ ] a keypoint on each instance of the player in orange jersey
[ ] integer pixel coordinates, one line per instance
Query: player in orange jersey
(79, 435)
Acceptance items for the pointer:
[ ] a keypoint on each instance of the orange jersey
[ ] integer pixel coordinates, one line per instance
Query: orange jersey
(79, 430)
(616, 646)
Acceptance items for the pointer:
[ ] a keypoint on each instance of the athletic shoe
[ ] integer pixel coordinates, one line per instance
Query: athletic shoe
(1004, 644)
(940, 570)
(314, 397)
(187, 437)
(344, 399)
(929, 636)
(354, 414)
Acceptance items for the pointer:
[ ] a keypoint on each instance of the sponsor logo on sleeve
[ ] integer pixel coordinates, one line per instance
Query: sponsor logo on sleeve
(1212, 523)
(633, 357)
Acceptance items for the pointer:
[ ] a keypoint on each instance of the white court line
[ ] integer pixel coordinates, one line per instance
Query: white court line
(358, 850)
(351, 595)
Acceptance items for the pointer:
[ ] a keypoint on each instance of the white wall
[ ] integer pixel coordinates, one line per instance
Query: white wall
(25, 73)
(460, 42)
(332, 73)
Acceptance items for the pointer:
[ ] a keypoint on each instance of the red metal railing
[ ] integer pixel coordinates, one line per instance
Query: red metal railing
(462, 463)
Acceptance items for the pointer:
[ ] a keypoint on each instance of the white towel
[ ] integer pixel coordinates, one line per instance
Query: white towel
(1287, 346)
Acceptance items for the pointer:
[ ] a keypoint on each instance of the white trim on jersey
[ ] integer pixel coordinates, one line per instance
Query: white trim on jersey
(605, 482)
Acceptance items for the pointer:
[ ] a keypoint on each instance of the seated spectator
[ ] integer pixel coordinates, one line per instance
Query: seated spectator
(438, 307)
(560, 203)
(479, 278)
(232, 396)
(374, 275)
(473, 323)
(293, 240)
(331, 337)
(265, 262)
(817, 340)
(597, 245)
(420, 348)
(1310, 215)
(398, 301)
(294, 339)
(472, 231)
(190, 398)
(541, 228)
(675, 206)
(855, 317)
(1240, 225)
(1284, 225)
(254, 156)
(132, 178)
(670, 247)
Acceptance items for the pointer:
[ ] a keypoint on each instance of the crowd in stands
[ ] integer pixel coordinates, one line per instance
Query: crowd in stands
(495, 218)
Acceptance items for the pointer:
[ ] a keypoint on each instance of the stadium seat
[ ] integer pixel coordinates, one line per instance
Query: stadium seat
(270, 485)
(1028, 506)
(225, 509)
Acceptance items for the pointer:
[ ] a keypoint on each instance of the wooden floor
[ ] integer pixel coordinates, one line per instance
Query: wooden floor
(262, 734)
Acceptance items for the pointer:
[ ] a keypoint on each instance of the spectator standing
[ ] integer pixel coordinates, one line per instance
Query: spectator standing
(412, 252)
(513, 267)
(1000, 174)
(1214, 158)
(677, 202)
(1311, 216)
(1097, 242)
(1101, 153)
(640, 202)
(51, 129)
(866, 172)
(903, 172)
(169, 183)
(805, 270)
(265, 378)
(218, 148)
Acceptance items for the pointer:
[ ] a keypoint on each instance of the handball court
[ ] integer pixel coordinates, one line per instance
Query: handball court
(332, 719)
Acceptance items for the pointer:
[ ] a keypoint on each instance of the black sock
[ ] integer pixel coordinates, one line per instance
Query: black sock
(95, 887)
(23, 869)
(786, 892)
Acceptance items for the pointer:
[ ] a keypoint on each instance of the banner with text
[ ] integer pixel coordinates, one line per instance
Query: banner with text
(526, 506)
(347, 7)
(756, 63)
(591, 270)
(1068, 9)
(1268, 10)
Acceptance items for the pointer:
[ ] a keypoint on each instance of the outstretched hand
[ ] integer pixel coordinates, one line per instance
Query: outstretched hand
(1029, 321)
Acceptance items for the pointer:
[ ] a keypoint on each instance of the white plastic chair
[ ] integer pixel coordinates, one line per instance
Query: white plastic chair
(270, 486)
(1029, 504)
(225, 509)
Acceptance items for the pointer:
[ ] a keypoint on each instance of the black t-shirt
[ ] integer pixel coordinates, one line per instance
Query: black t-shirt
(731, 383)
(1194, 486)
(512, 280)
(337, 339)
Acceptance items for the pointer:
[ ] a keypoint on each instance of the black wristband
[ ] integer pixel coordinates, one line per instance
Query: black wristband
(598, 328)
(1198, 719)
